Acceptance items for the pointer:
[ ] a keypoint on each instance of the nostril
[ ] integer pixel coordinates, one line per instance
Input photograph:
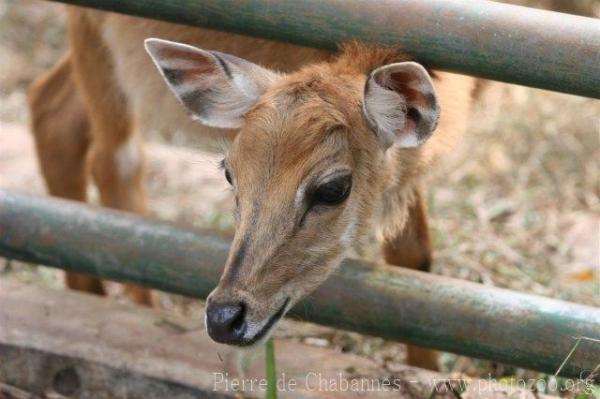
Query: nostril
(226, 322)
(238, 319)
(230, 316)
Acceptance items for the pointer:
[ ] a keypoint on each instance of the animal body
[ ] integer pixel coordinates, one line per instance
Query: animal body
(324, 148)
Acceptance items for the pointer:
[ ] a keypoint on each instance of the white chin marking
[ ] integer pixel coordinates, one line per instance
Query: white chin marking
(254, 328)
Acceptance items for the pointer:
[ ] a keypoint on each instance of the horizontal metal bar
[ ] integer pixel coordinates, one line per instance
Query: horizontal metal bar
(503, 42)
(390, 302)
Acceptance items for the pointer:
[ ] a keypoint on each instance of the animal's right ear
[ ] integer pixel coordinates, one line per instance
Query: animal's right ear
(217, 88)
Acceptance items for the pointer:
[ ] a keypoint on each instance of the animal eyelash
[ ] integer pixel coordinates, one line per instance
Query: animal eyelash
(222, 164)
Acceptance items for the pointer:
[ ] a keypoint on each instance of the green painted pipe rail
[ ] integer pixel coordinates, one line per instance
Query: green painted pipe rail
(390, 302)
(503, 42)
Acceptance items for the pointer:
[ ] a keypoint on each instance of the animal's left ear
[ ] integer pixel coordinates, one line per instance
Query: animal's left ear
(400, 104)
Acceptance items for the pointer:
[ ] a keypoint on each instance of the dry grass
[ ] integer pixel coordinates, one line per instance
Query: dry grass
(517, 206)
(32, 36)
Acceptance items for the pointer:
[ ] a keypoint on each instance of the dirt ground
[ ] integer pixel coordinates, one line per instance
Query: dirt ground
(516, 206)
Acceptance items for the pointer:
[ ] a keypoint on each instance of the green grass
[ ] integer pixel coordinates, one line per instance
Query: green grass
(271, 369)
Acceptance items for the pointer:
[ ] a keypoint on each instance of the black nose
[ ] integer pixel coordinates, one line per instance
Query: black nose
(225, 322)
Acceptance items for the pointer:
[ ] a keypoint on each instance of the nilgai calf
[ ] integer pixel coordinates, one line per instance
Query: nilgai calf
(324, 149)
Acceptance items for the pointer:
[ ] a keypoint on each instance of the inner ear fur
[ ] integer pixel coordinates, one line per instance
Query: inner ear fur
(401, 105)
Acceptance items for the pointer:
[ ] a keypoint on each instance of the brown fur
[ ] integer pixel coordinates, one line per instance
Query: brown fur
(308, 122)
(61, 129)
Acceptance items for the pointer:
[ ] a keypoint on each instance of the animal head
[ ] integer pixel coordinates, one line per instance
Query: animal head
(307, 167)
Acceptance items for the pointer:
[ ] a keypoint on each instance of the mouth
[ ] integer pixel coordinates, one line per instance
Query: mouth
(267, 327)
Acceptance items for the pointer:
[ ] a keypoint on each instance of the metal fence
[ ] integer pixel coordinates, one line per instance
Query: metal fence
(508, 43)
(390, 302)
(537, 48)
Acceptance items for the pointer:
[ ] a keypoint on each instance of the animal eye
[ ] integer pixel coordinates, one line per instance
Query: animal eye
(228, 177)
(333, 192)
